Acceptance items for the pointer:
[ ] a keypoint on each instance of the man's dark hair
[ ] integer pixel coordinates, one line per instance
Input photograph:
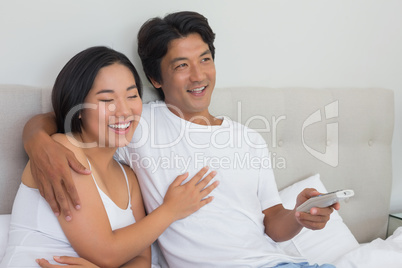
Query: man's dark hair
(156, 34)
(75, 80)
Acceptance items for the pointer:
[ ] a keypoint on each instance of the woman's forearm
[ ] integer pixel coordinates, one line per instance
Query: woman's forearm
(134, 239)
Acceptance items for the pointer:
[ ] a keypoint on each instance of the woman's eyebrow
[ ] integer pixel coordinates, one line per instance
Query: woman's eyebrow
(112, 91)
(105, 91)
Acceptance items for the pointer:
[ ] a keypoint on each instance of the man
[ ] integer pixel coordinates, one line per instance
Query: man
(239, 227)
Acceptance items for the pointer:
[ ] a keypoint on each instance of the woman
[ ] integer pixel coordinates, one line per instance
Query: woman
(97, 104)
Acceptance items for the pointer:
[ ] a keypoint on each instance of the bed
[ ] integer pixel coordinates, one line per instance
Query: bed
(327, 138)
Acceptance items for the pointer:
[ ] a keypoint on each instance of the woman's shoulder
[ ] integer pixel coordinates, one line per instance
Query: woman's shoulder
(67, 140)
(71, 143)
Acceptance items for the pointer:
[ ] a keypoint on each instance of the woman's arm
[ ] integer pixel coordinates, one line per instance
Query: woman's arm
(144, 259)
(91, 236)
(82, 263)
(67, 261)
(50, 164)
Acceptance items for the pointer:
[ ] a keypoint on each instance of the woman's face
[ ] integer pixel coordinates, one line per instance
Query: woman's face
(112, 108)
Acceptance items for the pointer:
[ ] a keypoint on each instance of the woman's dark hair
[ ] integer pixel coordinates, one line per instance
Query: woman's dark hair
(75, 80)
(156, 34)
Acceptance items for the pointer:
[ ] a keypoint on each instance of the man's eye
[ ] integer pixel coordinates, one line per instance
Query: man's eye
(206, 59)
(133, 97)
(107, 100)
(181, 66)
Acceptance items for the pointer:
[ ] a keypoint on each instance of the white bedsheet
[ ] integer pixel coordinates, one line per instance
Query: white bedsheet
(378, 253)
(4, 223)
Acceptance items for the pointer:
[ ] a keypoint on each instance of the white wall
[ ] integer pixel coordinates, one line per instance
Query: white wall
(308, 43)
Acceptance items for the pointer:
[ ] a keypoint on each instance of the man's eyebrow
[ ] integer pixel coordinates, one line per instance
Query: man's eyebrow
(206, 52)
(112, 91)
(178, 59)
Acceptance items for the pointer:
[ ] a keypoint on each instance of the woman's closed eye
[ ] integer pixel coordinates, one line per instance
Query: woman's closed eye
(106, 100)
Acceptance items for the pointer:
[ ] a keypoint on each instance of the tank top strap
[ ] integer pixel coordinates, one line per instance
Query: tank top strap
(128, 185)
(90, 168)
(125, 176)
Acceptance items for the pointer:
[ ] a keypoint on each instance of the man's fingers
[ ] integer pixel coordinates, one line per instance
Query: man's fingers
(336, 206)
(316, 219)
(45, 189)
(72, 192)
(77, 166)
(64, 188)
(326, 212)
(70, 186)
(48, 193)
(62, 200)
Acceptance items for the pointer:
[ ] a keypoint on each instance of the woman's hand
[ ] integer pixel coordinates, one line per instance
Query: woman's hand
(185, 199)
(70, 261)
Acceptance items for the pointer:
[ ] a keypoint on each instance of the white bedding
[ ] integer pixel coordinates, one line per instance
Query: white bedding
(378, 253)
(335, 244)
(4, 223)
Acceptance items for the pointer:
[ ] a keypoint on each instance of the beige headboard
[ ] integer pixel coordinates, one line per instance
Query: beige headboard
(343, 134)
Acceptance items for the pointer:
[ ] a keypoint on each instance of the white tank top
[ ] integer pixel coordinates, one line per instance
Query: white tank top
(118, 217)
(36, 233)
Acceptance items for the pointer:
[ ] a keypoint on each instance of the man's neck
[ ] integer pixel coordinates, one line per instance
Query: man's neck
(204, 118)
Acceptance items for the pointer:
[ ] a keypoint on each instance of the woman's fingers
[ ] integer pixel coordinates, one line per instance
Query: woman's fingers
(179, 180)
(197, 177)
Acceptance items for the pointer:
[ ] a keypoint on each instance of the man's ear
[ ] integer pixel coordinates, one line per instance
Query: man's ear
(155, 83)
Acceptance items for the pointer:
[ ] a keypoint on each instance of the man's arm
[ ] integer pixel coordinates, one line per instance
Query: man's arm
(51, 163)
(282, 224)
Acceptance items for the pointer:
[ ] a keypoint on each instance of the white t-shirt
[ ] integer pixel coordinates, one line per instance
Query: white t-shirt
(229, 231)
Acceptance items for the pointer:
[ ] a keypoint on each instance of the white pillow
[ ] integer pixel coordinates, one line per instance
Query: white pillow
(4, 225)
(321, 246)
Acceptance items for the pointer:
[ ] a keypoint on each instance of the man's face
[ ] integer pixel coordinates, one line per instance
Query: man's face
(188, 77)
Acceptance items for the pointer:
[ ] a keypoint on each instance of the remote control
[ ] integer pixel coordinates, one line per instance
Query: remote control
(325, 200)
